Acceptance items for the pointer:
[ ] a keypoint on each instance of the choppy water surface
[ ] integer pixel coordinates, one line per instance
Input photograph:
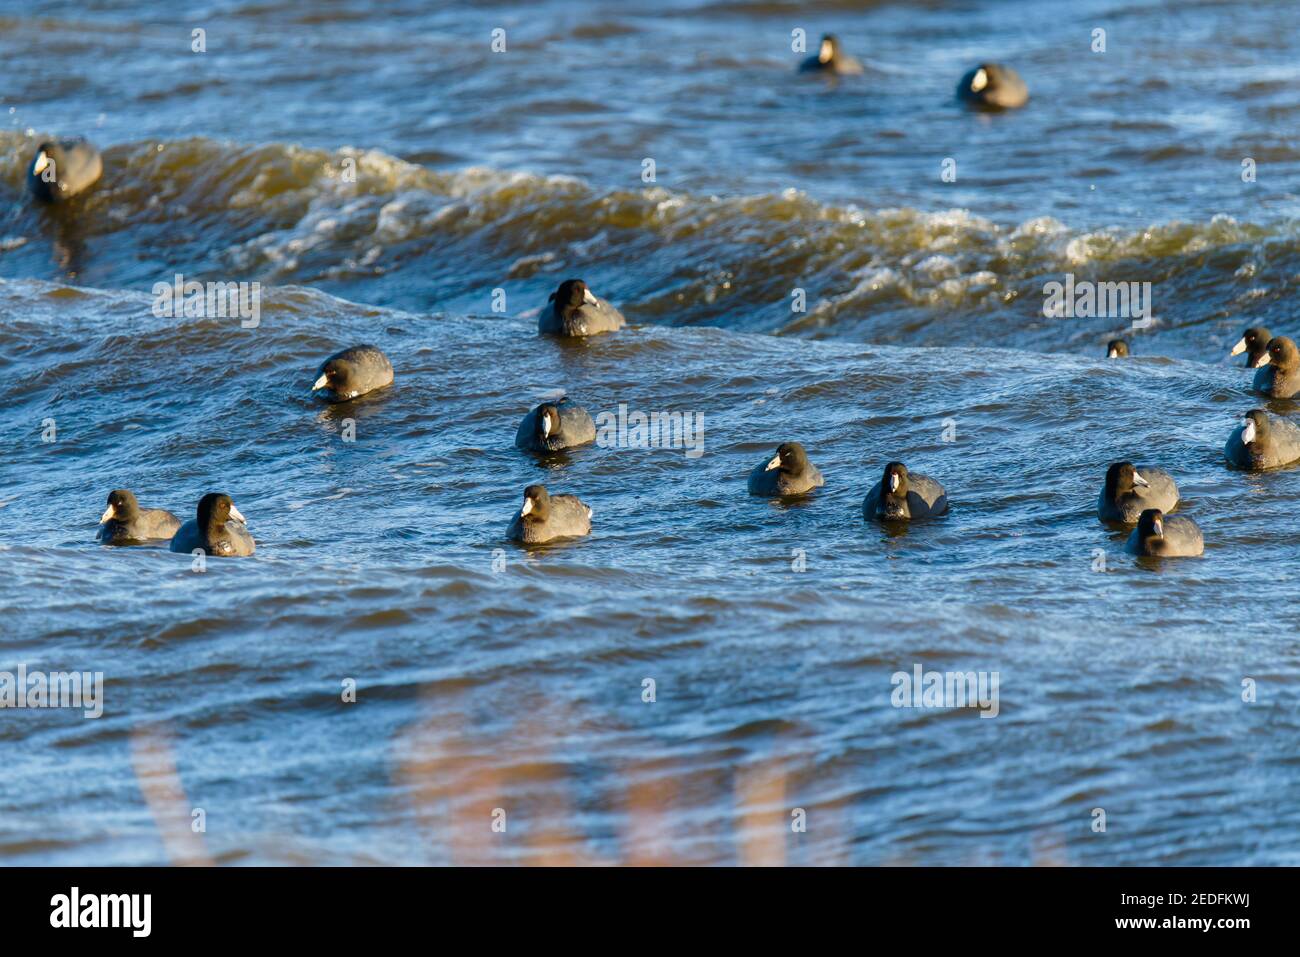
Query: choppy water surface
(493, 677)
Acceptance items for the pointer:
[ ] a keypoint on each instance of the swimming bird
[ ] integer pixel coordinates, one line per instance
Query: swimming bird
(63, 168)
(544, 517)
(904, 495)
(1177, 536)
(1279, 374)
(789, 473)
(1263, 441)
(217, 529)
(573, 310)
(1128, 490)
(124, 522)
(993, 86)
(1254, 342)
(830, 58)
(1117, 349)
(553, 426)
(353, 372)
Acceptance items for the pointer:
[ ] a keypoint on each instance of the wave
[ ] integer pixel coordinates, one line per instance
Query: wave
(378, 228)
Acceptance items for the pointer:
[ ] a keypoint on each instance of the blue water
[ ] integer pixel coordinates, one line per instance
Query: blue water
(492, 677)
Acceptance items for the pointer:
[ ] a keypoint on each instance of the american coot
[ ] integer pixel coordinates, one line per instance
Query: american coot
(831, 58)
(544, 517)
(901, 495)
(1177, 536)
(353, 372)
(124, 522)
(1279, 373)
(1254, 342)
(219, 529)
(553, 426)
(1130, 489)
(1263, 441)
(63, 168)
(789, 473)
(573, 310)
(992, 85)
